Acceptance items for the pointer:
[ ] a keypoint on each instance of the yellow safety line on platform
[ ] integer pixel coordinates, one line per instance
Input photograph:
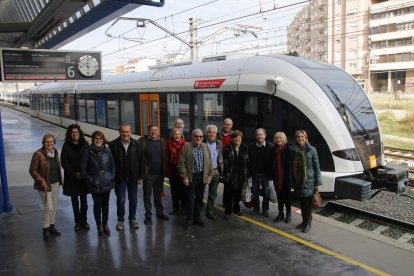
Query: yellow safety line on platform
(309, 244)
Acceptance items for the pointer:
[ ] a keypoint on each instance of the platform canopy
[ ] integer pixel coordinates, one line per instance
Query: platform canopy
(50, 24)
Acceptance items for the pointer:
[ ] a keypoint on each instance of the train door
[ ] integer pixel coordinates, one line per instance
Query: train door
(149, 109)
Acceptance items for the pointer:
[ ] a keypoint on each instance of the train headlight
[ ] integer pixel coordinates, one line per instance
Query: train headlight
(348, 154)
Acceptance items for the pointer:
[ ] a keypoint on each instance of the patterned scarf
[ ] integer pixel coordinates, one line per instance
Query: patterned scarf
(175, 149)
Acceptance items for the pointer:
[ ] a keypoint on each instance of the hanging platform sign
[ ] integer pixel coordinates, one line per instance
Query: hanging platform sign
(20, 65)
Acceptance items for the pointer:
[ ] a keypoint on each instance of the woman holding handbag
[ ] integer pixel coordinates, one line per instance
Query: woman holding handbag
(236, 163)
(305, 175)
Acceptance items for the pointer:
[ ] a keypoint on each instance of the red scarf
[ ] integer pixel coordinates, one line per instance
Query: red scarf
(175, 149)
(278, 169)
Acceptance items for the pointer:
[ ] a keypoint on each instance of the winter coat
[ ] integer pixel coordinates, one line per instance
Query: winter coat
(229, 154)
(313, 171)
(286, 172)
(142, 142)
(71, 158)
(134, 157)
(39, 169)
(186, 163)
(269, 150)
(98, 169)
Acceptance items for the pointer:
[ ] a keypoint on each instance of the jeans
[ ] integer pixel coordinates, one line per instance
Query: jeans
(101, 207)
(120, 191)
(261, 180)
(212, 194)
(80, 213)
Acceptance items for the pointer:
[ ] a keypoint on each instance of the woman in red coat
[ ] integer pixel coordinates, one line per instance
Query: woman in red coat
(174, 149)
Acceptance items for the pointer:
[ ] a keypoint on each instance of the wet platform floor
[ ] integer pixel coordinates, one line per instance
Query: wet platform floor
(251, 245)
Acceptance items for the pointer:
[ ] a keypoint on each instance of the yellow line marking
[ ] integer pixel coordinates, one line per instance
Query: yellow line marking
(309, 244)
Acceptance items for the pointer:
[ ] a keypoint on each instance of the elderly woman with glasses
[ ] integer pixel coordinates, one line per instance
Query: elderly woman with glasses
(98, 170)
(45, 170)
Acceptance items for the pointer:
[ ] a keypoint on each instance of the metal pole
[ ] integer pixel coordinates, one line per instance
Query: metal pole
(193, 39)
(6, 205)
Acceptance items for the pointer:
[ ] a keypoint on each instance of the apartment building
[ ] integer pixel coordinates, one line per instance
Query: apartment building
(335, 32)
(391, 58)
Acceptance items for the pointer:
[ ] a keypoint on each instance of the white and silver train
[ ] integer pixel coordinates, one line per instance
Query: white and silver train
(278, 93)
(21, 98)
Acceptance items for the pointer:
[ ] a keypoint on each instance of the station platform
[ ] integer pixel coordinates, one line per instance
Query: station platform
(246, 245)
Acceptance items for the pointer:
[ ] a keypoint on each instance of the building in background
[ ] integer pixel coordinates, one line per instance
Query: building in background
(391, 59)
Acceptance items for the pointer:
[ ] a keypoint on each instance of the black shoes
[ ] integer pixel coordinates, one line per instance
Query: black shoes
(147, 220)
(237, 213)
(85, 226)
(106, 230)
(306, 228)
(163, 217)
(78, 227)
(46, 234)
(301, 226)
(279, 217)
(54, 231)
(288, 217)
(187, 225)
(100, 230)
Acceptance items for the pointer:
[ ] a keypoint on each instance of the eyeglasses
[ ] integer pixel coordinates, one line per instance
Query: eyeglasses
(98, 138)
(198, 136)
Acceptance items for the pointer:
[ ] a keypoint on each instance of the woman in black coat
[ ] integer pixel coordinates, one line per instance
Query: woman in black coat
(98, 169)
(279, 163)
(74, 185)
(236, 163)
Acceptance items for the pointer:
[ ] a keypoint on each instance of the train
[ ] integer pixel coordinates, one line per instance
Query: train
(274, 92)
(21, 98)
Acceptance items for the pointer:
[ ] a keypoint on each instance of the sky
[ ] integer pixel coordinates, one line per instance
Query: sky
(224, 26)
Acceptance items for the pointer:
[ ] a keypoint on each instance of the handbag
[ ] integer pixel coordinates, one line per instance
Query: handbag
(246, 192)
(272, 192)
(316, 199)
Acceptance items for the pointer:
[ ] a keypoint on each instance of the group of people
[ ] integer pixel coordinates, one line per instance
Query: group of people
(189, 163)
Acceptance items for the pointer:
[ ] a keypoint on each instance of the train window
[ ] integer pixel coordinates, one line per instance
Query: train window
(208, 110)
(100, 111)
(57, 105)
(113, 114)
(52, 105)
(154, 112)
(178, 107)
(127, 113)
(82, 110)
(144, 118)
(47, 105)
(90, 110)
(251, 105)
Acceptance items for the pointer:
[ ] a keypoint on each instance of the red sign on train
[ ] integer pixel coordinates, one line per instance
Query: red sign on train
(206, 84)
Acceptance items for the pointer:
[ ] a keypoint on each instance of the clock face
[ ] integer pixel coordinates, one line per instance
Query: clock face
(88, 66)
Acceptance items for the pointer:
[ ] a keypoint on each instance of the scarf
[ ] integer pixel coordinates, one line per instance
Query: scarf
(175, 149)
(299, 167)
(278, 169)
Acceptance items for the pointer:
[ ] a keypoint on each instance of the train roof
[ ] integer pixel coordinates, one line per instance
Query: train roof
(208, 67)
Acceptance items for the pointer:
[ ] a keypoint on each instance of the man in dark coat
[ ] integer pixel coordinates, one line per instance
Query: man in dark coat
(260, 171)
(155, 167)
(127, 153)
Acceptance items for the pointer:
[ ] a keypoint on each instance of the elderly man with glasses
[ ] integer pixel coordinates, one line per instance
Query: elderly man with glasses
(195, 167)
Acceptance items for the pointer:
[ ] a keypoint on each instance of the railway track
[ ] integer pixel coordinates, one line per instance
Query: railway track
(378, 224)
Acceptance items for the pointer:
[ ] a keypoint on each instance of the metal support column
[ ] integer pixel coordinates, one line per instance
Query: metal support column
(4, 190)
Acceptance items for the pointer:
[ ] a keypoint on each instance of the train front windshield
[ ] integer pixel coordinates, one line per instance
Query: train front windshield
(351, 103)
